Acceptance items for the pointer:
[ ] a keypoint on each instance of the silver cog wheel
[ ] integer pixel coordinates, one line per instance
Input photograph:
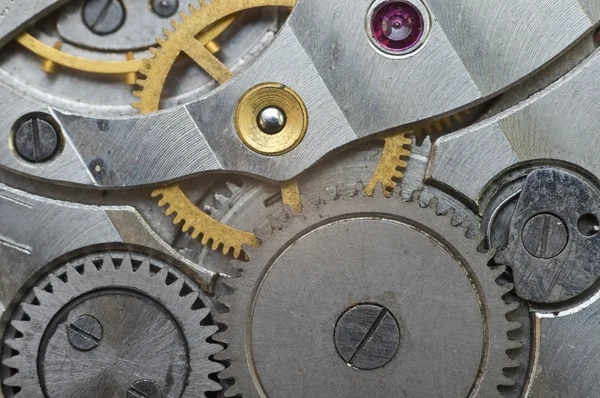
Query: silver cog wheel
(149, 329)
(290, 306)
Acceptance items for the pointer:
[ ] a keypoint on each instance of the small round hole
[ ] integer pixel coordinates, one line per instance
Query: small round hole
(588, 225)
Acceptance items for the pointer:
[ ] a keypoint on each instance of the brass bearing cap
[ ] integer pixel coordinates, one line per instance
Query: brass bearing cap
(271, 95)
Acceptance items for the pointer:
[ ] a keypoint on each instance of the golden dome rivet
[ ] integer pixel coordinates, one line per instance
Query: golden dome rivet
(271, 96)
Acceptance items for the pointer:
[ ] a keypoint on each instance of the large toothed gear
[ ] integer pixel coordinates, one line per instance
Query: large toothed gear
(220, 236)
(183, 39)
(96, 326)
(290, 328)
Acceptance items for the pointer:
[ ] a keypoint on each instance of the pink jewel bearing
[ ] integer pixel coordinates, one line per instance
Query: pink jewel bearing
(397, 26)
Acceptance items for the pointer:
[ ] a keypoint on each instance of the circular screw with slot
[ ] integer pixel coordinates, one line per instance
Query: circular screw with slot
(36, 140)
(545, 236)
(103, 17)
(165, 8)
(85, 333)
(367, 336)
(145, 389)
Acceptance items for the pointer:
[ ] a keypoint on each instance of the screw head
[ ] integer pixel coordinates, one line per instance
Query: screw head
(145, 389)
(545, 236)
(367, 336)
(271, 120)
(36, 140)
(103, 17)
(85, 333)
(165, 8)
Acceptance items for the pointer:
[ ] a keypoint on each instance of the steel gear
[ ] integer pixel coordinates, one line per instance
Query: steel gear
(391, 260)
(103, 324)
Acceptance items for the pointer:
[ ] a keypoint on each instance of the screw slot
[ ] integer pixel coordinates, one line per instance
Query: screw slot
(103, 17)
(85, 333)
(588, 225)
(35, 138)
(545, 236)
(367, 336)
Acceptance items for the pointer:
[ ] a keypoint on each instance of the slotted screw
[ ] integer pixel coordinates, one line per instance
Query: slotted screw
(85, 333)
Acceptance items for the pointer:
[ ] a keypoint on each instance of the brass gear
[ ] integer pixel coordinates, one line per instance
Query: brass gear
(396, 150)
(392, 161)
(221, 235)
(53, 55)
(184, 39)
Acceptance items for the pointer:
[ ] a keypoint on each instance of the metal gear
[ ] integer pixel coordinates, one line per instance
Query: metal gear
(389, 169)
(221, 235)
(396, 149)
(54, 56)
(183, 39)
(103, 324)
(340, 255)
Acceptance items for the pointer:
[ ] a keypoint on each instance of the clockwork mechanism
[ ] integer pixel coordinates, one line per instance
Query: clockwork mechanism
(299, 198)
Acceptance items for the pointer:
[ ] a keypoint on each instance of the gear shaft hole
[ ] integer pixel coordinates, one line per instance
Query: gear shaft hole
(588, 225)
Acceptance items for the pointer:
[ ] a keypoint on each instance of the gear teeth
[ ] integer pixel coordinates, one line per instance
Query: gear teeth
(55, 280)
(20, 326)
(220, 198)
(72, 274)
(297, 222)
(13, 362)
(221, 236)
(162, 275)
(31, 310)
(206, 22)
(189, 300)
(457, 220)
(107, 262)
(15, 344)
(43, 296)
(177, 286)
(42, 305)
(393, 161)
(89, 267)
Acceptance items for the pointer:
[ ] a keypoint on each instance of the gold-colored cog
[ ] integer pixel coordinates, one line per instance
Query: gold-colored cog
(389, 170)
(441, 125)
(184, 39)
(53, 55)
(221, 236)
